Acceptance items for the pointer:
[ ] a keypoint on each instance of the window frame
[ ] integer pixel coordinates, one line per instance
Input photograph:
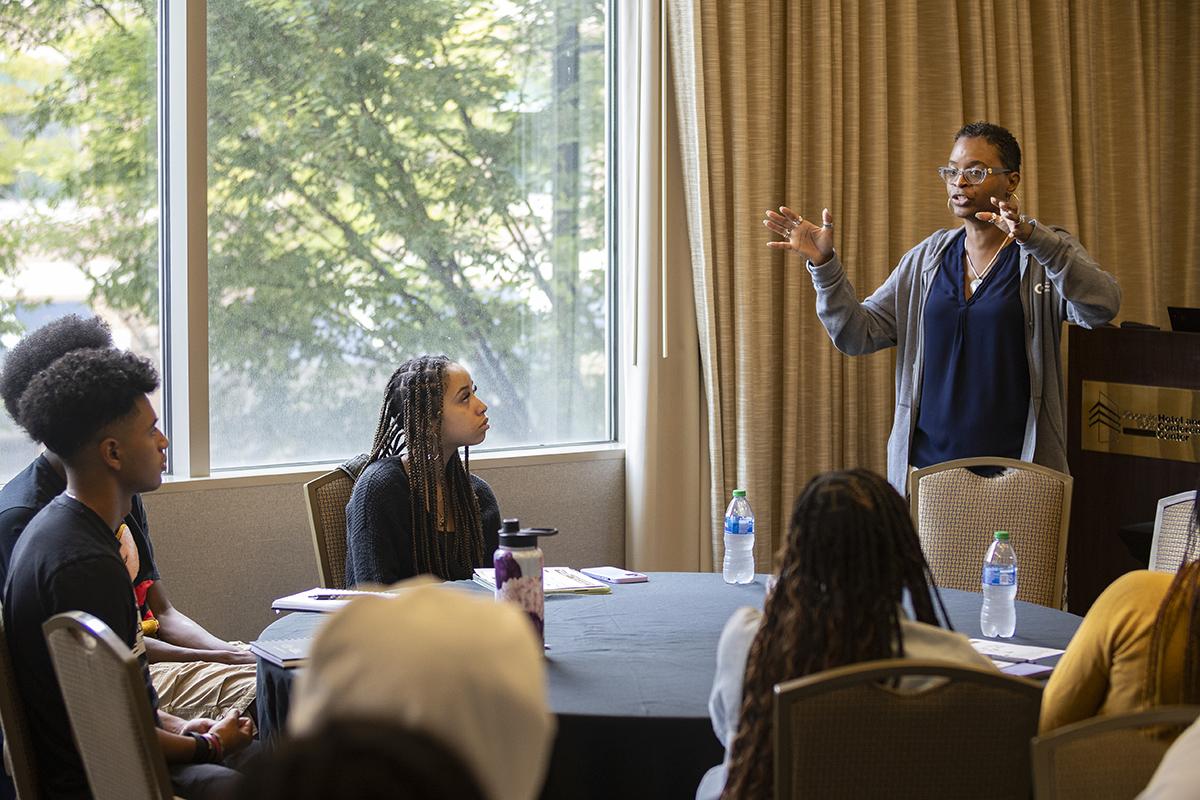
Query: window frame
(183, 256)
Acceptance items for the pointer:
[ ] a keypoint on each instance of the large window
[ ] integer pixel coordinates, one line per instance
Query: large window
(78, 177)
(385, 178)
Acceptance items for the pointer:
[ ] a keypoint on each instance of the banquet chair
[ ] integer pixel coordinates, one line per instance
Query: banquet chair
(19, 761)
(325, 498)
(956, 512)
(1172, 524)
(851, 733)
(105, 694)
(1106, 758)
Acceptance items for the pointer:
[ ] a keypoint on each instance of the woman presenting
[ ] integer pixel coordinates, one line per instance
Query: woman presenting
(975, 314)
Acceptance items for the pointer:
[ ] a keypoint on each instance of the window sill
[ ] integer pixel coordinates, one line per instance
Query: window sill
(301, 473)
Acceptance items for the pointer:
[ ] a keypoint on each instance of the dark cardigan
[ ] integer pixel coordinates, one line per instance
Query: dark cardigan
(379, 525)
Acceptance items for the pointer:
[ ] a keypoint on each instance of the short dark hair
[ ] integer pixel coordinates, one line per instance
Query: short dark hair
(70, 402)
(998, 137)
(42, 348)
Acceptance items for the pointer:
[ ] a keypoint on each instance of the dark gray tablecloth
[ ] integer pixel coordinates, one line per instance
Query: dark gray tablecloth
(630, 675)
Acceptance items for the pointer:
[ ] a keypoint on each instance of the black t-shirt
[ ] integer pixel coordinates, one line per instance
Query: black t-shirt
(67, 559)
(32, 489)
(379, 525)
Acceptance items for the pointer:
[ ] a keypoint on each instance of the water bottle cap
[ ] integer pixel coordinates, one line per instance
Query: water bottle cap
(739, 492)
(513, 535)
(1001, 536)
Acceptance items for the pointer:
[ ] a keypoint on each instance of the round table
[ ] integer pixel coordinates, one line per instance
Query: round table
(630, 674)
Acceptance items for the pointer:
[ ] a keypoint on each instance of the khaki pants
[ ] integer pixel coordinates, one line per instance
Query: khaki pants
(191, 689)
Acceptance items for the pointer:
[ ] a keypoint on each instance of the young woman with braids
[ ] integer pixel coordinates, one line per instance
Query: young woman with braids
(850, 557)
(1138, 647)
(416, 508)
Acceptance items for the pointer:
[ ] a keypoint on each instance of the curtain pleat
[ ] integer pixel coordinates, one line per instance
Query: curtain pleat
(662, 416)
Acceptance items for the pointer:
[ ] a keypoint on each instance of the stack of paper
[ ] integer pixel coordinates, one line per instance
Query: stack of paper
(1016, 659)
(555, 580)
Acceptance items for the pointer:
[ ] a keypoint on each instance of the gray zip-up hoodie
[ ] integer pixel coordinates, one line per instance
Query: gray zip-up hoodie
(1059, 281)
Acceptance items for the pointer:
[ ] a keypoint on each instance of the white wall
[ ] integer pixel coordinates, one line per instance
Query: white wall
(227, 546)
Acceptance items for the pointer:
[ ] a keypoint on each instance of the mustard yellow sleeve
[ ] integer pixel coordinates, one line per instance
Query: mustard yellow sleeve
(1079, 683)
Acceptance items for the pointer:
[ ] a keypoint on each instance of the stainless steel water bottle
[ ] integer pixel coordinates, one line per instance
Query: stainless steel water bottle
(518, 562)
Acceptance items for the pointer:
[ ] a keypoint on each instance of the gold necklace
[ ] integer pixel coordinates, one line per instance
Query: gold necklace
(980, 276)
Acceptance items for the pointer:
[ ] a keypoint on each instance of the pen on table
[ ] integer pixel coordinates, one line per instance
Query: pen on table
(577, 578)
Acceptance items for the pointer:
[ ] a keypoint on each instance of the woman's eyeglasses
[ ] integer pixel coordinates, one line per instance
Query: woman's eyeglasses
(974, 175)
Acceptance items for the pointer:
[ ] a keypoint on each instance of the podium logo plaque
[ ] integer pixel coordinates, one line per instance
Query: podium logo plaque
(1133, 420)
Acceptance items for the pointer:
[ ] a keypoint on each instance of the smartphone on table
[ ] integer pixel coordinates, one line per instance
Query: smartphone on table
(615, 575)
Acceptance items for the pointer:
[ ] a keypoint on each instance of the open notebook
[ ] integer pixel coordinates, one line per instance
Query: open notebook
(555, 580)
(323, 599)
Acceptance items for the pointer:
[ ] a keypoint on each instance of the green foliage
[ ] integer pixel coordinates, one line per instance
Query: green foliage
(385, 178)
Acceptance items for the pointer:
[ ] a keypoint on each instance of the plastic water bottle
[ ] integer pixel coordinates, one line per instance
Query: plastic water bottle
(739, 539)
(998, 617)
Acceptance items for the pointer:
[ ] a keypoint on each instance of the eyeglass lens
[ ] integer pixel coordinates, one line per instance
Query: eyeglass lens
(974, 175)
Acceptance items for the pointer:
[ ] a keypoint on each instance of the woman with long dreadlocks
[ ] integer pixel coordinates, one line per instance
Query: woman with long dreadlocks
(850, 556)
(1137, 648)
(416, 508)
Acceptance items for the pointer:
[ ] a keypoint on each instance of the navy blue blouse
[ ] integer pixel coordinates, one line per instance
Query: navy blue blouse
(975, 376)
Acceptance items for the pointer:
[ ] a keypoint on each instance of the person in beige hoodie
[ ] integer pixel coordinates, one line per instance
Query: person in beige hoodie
(456, 666)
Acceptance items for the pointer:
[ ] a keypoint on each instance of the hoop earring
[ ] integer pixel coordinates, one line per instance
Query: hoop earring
(1013, 196)
(949, 207)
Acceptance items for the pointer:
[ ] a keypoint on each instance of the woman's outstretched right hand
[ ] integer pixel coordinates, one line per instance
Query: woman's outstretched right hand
(814, 242)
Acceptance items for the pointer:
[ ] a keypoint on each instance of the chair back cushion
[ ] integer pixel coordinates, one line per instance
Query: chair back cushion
(1106, 758)
(964, 735)
(326, 498)
(19, 760)
(958, 512)
(1172, 524)
(111, 718)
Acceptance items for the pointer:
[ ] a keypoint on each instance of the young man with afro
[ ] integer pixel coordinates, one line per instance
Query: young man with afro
(90, 408)
(196, 674)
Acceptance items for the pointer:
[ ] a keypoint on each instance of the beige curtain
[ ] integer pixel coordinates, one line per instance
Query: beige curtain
(662, 413)
(851, 106)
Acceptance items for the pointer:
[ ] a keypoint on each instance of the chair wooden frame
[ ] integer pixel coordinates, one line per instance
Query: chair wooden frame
(324, 537)
(108, 743)
(790, 693)
(1159, 514)
(1044, 749)
(1068, 483)
(19, 760)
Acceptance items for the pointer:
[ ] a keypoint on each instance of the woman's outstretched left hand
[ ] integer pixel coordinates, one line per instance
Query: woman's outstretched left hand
(1008, 218)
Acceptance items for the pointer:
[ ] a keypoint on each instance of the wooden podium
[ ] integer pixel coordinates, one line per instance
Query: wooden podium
(1132, 437)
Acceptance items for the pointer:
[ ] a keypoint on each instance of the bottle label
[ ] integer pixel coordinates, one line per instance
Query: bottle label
(999, 576)
(739, 525)
(519, 580)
